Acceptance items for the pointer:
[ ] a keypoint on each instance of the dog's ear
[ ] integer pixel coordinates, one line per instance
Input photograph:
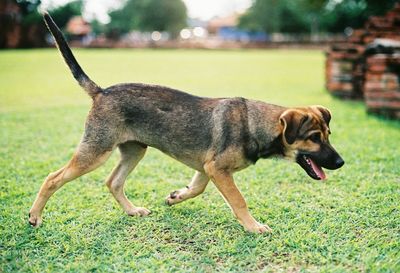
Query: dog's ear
(292, 121)
(326, 114)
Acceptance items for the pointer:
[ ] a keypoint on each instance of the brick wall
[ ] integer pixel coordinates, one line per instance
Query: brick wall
(367, 65)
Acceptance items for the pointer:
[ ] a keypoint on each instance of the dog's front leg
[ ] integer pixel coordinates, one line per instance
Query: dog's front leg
(197, 186)
(223, 180)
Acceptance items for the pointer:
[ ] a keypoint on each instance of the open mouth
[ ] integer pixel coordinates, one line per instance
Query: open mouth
(312, 169)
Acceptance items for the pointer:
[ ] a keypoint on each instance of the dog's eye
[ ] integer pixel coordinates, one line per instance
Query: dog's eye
(316, 137)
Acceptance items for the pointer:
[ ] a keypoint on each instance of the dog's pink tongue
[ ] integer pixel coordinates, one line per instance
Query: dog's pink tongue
(318, 170)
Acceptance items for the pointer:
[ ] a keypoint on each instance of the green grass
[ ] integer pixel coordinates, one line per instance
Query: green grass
(351, 222)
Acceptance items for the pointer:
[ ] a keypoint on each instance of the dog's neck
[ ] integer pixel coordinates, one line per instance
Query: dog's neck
(266, 134)
(264, 149)
(274, 148)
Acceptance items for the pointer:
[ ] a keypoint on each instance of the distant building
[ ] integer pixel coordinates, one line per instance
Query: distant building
(215, 24)
(226, 29)
(78, 28)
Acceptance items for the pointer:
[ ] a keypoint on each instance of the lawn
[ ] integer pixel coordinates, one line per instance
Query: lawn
(350, 222)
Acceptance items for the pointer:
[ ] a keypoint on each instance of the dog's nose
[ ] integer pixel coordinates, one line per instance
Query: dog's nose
(339, 162)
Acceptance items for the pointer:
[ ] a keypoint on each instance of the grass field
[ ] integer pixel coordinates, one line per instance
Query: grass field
(351, 222)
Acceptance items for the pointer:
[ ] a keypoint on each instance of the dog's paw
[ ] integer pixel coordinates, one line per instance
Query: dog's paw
(259, 228)
(138, 211)
(34, 220)
(173, 198)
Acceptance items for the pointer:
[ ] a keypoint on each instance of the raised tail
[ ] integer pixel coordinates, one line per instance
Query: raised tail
(84, 81)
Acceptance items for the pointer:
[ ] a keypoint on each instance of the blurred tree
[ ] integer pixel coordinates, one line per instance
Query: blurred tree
(124, 19)
(163, 15)
(276, 16)
(29, 11)
(294, 17)
(63, 14)
(148, 15)
(97, 27)
(314, 8)
(311, 15)
(352, 13)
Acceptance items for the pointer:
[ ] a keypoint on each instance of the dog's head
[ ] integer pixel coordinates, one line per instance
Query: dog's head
(305, 137)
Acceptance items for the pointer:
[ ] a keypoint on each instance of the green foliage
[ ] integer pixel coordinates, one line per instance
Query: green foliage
(125, 19)
(28, 6)
(353, 13)
(276, 16)
(148, 15)
(29, 11)
(63, 14)
(166, 15)
(348, 223)
(97, 27)
(306, 15)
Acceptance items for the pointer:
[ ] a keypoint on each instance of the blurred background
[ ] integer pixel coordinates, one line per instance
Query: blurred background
(360, 38)
(186, 23)
(285, 52)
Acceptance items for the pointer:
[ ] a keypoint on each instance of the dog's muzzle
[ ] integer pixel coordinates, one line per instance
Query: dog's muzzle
(313, 162)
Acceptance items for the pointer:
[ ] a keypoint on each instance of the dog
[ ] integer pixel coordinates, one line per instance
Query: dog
(214, 136)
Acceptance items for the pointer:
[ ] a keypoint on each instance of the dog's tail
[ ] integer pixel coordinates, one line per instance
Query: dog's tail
(87, 84)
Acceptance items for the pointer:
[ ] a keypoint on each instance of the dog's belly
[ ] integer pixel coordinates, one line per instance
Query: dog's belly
(180, 129)
(192, 159)
(187, 150)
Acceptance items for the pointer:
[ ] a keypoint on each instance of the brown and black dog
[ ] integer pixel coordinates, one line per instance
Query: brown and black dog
(215, 137)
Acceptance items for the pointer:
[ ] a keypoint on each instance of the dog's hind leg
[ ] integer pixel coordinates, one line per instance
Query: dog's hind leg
(87, 158)
(197, 186)
(131, 154)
